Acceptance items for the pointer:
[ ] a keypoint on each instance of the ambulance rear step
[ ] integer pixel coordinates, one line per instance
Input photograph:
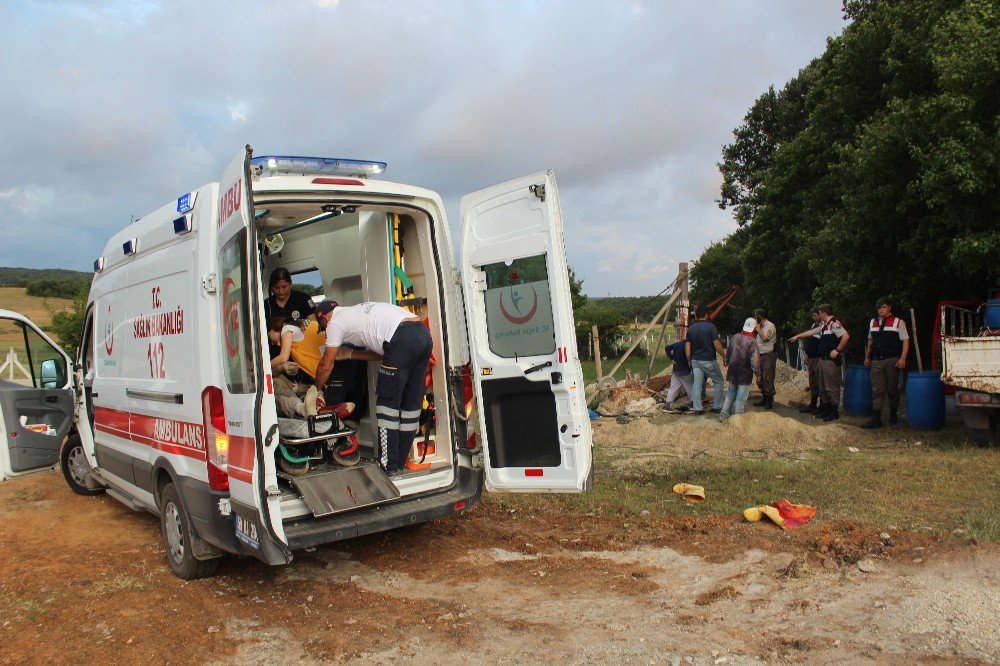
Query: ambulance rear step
(328, 490)
(410, 510)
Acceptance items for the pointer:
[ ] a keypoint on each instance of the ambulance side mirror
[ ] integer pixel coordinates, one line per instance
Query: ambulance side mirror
(53, 375)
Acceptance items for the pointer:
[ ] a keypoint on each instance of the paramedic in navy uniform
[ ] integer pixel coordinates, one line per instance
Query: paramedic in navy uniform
(888, 344)
(405, 345)
(285, 301)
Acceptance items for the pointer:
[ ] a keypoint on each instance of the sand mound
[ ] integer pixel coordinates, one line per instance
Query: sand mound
(790, 385)
(754, 434)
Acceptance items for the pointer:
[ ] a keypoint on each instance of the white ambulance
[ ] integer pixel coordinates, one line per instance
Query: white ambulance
(176, 400)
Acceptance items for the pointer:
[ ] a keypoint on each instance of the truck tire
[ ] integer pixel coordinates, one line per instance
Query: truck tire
(75, 466)
(175, 525)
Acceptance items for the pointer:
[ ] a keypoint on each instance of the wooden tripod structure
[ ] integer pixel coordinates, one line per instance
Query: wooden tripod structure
(680, 291)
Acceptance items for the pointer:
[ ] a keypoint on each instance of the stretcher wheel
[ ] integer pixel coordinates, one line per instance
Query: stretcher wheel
(290, 463)
(346, 451)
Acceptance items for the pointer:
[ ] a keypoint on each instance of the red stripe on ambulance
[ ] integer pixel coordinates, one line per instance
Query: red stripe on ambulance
(167, 435)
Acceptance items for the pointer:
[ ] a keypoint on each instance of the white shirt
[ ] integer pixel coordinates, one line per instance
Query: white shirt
(297, 334)
(369, 325)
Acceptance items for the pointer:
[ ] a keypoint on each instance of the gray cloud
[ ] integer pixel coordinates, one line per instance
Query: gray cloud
(113, 107)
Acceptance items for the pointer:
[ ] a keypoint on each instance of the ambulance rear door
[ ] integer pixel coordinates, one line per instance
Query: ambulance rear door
(529, 384)
(243, 354)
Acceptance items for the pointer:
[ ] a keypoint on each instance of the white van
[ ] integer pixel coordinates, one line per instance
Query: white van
(177, 411)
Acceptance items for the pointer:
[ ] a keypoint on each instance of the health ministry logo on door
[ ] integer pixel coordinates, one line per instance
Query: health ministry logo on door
(109, 334)
(519, 320)
(517, 298)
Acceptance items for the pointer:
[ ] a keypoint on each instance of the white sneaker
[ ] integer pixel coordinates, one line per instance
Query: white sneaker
(312, 395)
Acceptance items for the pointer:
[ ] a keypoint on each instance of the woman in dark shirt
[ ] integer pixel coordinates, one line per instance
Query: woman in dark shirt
(285, 301)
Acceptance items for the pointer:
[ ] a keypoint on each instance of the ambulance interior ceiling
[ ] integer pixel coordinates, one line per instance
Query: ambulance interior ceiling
(339, 246)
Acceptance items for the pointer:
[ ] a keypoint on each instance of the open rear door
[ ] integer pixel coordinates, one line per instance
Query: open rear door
(240, 343)
(529, 385)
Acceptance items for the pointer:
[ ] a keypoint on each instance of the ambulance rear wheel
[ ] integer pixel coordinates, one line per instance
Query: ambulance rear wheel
(176, 529)
(75, 467)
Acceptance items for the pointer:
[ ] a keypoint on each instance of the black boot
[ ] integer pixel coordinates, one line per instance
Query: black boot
(833, 414)
(893, 415)
(769, 402)
(811, 407)
(822, 410)
(875, 422)
(760, 402)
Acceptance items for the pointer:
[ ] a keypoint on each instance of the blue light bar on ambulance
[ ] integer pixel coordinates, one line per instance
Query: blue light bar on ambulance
(98, 264)
(130, 246)
(185, 203)
(275, 165)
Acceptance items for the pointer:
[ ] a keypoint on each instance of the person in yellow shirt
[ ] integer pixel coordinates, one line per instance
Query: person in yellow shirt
(301, 346)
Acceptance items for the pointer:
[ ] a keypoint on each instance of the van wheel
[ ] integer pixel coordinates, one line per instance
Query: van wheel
(177, 538)
(75, 466)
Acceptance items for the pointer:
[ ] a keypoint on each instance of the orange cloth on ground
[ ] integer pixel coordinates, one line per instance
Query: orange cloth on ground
(795, 515)
(783, 513)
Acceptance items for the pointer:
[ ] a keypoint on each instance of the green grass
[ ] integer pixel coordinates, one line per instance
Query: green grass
(930, 489)
(37, 309)
(637, 364)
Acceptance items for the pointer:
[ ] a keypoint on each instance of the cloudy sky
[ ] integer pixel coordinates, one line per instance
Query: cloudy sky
(111, 108)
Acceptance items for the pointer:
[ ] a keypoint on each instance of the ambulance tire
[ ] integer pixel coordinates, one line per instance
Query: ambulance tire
(74, 465)
(176, 529)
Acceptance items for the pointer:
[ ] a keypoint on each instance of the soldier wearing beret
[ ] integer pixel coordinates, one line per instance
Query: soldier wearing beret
(832, 340)
(885, 354)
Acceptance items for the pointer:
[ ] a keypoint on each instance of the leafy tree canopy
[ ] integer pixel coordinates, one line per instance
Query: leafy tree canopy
(873, 171)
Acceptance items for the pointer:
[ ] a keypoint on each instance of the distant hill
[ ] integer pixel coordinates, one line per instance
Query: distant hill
(21, 277)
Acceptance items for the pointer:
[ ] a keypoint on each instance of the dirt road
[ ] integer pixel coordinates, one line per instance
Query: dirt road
(84, 580)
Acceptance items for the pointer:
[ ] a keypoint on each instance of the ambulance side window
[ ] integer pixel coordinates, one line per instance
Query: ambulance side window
(238, 357)
(48, 367)
(518, 308)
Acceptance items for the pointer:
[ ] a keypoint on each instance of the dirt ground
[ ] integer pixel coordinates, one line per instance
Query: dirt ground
(84, 580)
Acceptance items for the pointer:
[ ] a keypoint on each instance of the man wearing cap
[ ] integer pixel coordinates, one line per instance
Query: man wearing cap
(765, 334)
(812, 360)
(833, 337)
(742, 362)
(885, 354)
(405, 345)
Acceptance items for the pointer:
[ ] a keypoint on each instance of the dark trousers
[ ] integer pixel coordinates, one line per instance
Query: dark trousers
(768, 363)
(829, 382)
(885, 382)
(399, 392)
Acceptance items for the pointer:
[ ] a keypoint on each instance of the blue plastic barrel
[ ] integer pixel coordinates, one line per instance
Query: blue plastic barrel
(925, 400)
(991, 315)
(858, 391)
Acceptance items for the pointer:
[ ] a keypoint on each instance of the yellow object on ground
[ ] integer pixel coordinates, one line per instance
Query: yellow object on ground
(690, 492)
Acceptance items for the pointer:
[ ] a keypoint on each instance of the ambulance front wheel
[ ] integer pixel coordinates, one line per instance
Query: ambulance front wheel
(176, 529)
(75, 467)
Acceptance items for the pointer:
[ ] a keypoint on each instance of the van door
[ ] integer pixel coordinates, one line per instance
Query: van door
(242, 349)
(529, 384)
(36, 401)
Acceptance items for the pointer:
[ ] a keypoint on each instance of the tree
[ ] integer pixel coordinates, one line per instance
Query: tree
(576, 290)
(67, 325)
(874, 170)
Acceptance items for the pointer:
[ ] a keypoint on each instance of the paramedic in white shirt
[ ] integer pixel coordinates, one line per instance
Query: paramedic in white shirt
(405, 345)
